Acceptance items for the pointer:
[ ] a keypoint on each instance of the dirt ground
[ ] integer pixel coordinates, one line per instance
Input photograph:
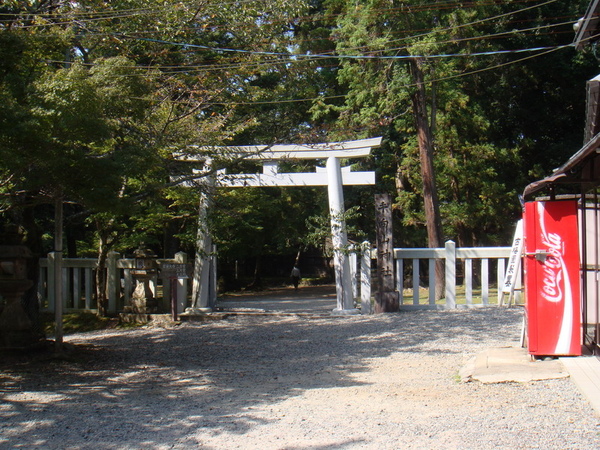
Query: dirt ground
(289, 382)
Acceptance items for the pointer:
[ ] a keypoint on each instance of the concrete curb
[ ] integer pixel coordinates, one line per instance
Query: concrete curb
(510, 364)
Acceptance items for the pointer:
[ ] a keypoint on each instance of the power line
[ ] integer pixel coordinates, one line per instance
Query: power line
(308, 56)
(328, 55)
(296, 58)
(405, 86)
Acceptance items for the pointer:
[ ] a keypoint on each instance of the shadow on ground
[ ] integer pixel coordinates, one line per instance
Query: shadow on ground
(152, 387)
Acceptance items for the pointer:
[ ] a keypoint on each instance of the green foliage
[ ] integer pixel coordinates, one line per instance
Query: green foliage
(251, 222)
(497, 119)
(95, 98)
(319, 230)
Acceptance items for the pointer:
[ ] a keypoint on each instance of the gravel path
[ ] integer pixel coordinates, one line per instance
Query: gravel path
(377, 382)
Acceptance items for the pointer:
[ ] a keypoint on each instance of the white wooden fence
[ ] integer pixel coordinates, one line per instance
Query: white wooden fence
(78, 280)
(465, 262)
(461, 264)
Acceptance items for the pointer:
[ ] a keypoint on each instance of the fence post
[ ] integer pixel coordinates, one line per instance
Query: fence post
(89, 273)
(51, 281)
(182, 284)
(353, 257)
(450, 274)
(485, 281)
(113, 281)
(400, 279)
(431, 285)
(365, 278)
(213, 277)
(500, 278)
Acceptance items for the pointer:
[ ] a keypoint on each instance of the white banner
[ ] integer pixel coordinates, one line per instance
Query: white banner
(514, 261)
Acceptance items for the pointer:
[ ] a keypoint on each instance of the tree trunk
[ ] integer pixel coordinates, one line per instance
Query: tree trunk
(257, 281)
(430, 197)
(101, 275)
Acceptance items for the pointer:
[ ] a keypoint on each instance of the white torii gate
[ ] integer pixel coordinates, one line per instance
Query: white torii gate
(333, 176)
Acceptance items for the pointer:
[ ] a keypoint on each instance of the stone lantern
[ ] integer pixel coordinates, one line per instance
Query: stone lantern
(142, 299)
(16, 329)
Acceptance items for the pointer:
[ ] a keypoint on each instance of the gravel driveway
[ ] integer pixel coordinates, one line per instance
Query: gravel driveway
(378, 382)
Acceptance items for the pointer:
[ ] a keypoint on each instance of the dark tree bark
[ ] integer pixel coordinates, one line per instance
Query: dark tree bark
(430, 196)
(104, 246)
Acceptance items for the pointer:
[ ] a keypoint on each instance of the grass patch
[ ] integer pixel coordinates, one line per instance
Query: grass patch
(79, 322)
(461, 297)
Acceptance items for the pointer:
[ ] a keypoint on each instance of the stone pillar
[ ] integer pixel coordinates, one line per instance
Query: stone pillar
(143, 300)
(201, 298)
(182, 284)
(343, 281)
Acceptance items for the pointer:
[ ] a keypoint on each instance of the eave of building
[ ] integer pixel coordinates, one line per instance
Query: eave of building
(583, 168)
(587, 26)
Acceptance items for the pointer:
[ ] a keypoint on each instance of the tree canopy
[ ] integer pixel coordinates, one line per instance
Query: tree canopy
(98, 100)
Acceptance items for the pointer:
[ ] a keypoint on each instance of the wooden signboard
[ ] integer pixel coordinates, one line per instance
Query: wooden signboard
(174, 270)
(386, 299)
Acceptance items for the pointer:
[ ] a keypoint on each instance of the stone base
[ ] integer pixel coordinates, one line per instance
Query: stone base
(142, 306)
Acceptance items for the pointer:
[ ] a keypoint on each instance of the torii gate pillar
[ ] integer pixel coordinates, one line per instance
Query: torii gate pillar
(204, 293)
(341, 261)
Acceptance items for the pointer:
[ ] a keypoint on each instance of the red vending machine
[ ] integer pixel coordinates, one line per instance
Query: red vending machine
(552, 280)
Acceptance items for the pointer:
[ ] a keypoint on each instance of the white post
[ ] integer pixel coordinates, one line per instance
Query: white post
(88, 288)
(400, 279)
(432, 285)
(450, 274)
(485, 280)
(182, 284)
(353, 272)
(113, 281)
(76, 287)
(365, 278)
(343, 282)
(51, 281)
(213, 277)
(500, 278)
(469, 281)
(415, 282)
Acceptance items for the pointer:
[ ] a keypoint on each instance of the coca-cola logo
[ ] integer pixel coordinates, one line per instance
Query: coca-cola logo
(554, 270)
